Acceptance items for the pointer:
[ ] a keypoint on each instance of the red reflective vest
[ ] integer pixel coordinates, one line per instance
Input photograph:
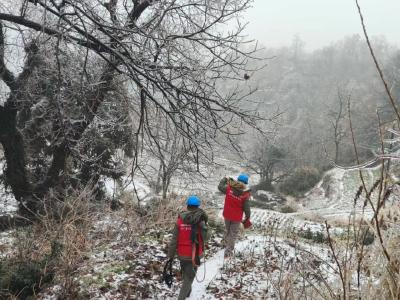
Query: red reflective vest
(184, 239)
(233, 207)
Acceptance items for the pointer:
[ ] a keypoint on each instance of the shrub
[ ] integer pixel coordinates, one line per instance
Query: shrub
(286, 209)
(368, 237)
(26, 277)
(317, 236)
(260, 204)
(264, 185)
(22, 278)
(51, 248)
(300, 181)
(217, 226)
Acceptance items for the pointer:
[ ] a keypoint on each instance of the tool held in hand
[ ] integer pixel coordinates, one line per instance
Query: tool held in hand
(167, 273)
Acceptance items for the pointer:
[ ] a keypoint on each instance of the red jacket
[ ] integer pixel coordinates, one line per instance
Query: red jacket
(233, 207)
(184, 239)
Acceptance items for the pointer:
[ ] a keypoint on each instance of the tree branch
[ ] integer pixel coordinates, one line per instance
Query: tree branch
(5, 73)
(137, 10)
(96, 46)
(378, 68)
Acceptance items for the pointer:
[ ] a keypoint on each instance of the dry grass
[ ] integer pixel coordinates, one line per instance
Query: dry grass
(75, 225)
(313, 217)
(59, 240)
(367, 272)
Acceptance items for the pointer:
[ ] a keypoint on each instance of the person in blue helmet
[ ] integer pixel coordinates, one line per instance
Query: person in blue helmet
(189, 235)
(237, 196)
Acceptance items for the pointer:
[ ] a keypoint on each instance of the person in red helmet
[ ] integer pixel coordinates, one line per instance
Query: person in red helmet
(236, 204)
(189, 235)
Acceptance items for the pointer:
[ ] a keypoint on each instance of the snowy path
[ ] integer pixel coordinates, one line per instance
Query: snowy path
(259, 265)
(213, 267)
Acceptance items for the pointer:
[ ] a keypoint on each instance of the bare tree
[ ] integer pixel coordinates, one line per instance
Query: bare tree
(268, 160)
(171, 57)
(337, 120)
(170, 151)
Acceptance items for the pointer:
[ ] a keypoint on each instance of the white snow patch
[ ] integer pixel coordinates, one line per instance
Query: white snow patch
(8, 204)
(137, 187)
(209, 270)
(259, 248)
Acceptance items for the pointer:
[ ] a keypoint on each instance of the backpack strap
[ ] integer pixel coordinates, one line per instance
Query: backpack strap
(195, 244)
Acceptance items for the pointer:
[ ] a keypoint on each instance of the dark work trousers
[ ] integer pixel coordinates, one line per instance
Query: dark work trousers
(188, 275)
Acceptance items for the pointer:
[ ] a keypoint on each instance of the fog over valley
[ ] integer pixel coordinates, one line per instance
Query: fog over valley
(197, 149)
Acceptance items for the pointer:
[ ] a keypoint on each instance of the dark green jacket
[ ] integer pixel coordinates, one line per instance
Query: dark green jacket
(189, 217)
(238, 188)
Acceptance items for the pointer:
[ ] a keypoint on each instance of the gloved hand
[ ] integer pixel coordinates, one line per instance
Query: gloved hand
(246, 223)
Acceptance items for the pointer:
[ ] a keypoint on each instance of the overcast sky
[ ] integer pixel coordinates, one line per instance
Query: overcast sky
(319, 22)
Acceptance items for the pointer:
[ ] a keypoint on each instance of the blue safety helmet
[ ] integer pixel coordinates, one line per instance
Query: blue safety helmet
(193, 201)
(243, 178)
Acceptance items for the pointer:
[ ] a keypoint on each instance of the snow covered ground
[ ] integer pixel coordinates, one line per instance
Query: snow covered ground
(8, 204)
(255, 272)
(286, 223)
(266, 261)
(261, 264)
(333, 197)
(137, 187)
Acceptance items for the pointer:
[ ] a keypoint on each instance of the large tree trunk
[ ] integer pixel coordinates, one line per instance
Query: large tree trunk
(336, 152)
(164, 186)
(14, 152)
(27, 193)
(27, 190)
(159, 176)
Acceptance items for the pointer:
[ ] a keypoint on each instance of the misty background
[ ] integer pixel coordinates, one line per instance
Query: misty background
(319, 74)
(319, 23)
